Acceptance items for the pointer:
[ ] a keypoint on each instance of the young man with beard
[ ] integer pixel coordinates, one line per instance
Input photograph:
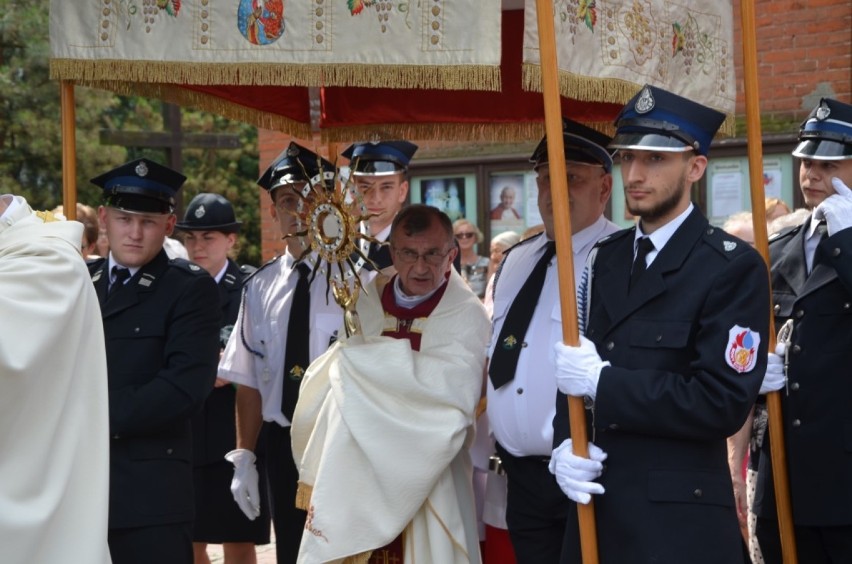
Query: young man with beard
(672, 359)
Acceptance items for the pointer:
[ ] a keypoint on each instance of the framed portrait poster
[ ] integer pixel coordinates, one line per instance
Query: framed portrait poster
(513, 202)
(454, 194)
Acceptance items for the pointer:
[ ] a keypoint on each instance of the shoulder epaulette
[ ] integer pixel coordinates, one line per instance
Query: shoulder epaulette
(257, 271)
(187, 265)
(523, 242)
(615, 236)
(785, 233)
(248, 269)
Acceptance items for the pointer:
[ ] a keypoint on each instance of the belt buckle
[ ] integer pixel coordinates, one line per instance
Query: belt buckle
(496, 465)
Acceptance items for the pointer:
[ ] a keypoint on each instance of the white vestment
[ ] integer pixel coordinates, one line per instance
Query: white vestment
(380, 436)
(54, 431)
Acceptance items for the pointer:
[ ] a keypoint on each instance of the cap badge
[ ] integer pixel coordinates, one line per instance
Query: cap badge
(141, 169)
(823, 111)
(375, 138)
(292, 151)
(645, 102)
(200, 211)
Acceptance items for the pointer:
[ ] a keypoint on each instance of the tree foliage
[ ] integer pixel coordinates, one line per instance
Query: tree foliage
(30, 132)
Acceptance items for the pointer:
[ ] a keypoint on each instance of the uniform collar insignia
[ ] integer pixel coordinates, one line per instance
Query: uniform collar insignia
(729, 245)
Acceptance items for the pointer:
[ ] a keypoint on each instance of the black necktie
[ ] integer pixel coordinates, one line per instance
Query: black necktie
(821, 232)
(119, 277)
(640, 264)
(504, 361)
(297, 353)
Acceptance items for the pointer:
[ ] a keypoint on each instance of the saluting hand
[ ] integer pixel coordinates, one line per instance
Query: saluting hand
(837, 208)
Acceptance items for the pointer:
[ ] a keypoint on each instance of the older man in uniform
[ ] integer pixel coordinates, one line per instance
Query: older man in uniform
(286, 320)
(521, 387)
(812, 291)
(379, 172)
(673, 356)
(161, 322)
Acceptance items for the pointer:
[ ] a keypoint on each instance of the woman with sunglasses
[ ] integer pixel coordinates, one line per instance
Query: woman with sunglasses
(474, 267)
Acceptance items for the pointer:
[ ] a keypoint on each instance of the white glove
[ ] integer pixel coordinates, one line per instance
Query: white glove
(837, 208)
(244, 485)
(578, 369)
(574, 474)
(774, 378)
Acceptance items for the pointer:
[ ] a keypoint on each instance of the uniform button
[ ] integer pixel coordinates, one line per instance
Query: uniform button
(796, 423)
(797, 349)
(659, 338)
(698, 492)
(116, 436)
(794, 386)
(610, 345)
(800, 314)
(847, 305)
(136, 329)
(524, 345)
(169, 451)
(777, 309)
(613, 426)
(519, 391)
(835, 252)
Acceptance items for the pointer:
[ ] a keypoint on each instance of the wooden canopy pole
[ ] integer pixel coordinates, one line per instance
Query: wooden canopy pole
(761, 243)
(564, 250)
(69, 150)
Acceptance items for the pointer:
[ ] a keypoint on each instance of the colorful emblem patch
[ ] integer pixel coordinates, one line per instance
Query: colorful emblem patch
(297, 372)
(741, 351)
(510, 342)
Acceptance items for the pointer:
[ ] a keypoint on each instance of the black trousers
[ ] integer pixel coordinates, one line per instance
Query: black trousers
(814, 545)
(536, 509)
(163, 544)
(282, 477)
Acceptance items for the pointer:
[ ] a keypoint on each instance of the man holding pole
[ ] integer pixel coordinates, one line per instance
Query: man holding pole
(526, 305)
(672, 357)
(812, 291)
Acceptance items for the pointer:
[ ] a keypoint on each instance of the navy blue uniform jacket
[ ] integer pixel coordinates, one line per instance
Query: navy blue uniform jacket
(667, 404)
(162, 344)
(818, 410)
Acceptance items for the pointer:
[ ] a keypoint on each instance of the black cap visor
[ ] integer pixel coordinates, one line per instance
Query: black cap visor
(649, 142)
(823, 150)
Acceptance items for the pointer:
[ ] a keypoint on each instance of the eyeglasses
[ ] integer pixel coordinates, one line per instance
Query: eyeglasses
(432, 258)
(465, 235)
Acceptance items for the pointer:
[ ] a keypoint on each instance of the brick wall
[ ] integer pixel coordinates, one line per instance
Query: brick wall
(804, 53)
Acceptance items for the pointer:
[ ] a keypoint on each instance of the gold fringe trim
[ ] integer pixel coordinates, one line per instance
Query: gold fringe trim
(303, 496)
(470, 132)
(590, 89)
(438, 77)
(207, 102)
